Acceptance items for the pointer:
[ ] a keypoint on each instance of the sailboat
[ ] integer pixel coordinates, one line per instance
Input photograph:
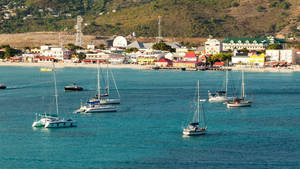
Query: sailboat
(53, 121)
(240, 102)
(105, 98)
(219, 96)
(198, 126)
(95, 105)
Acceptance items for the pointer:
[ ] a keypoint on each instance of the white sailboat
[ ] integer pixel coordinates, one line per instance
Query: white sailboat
(100, 99)
(52, 121)
(96, 105)
(220, 96)
(198, 126)
(240, 102)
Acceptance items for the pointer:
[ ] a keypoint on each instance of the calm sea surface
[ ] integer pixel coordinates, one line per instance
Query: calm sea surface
(146, 132)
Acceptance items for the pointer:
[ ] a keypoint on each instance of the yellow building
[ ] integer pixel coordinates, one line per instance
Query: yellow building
(146, 61)
(185, 64)
(257, 60)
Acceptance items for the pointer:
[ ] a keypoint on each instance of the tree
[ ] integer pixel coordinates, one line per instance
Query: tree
(274, 46)
(163, 46)
(73, 47)
(221, 57)
(129, 50)
(80, 56)
(101, 46)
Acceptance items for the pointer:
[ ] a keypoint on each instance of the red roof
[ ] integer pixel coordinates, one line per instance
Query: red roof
(164, 60)
(218, 63)
(190, 55)
(203, 57)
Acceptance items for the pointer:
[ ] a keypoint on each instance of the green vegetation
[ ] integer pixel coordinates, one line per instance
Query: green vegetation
(73, 47)
(180, 18)
(130, 50)
(9, 52)
(163, 46)
(260, 8)
(80, 56)
(274, 46)
(221, 57)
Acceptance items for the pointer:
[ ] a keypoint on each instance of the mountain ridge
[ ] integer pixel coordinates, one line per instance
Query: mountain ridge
(180, 18)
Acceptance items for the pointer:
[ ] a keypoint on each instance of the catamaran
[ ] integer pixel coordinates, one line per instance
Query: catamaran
(97, 104)
(198, 126)
(53, 121)
(240, 102)
(220, 96)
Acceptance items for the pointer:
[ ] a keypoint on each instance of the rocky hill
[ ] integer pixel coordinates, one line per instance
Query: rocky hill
(180, 18)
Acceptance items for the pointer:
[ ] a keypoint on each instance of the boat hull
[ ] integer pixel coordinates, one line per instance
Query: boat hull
(91, 110)
(217, 99)
(105, 101)
(248, 104)
(2, 87)
(73, 88)
(193, 132)
(96, 109)
(60, 124)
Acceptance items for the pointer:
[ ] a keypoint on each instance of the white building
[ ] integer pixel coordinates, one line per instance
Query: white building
(257, 44)
(288, 56)
(120, 42)
(213, 46)
(56, 52)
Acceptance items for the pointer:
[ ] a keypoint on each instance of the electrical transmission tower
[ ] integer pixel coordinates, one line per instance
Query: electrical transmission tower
(79, 31)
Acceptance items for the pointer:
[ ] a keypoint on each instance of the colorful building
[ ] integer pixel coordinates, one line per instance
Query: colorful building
(164, 63)
(186, 64)
(257, 60)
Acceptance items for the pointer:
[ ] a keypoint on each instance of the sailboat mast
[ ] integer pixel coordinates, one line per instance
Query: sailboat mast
(243, 85)
(107, 79)
(98, 79)
(226, 83)
(55, 89)
(116, 87)
(198, 102)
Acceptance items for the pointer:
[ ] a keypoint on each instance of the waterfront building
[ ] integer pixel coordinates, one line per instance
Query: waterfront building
(282, 55)
(164, 63)
(257, 60)
(240, 58)
(190, 56)
(43, 59)
(213, 46)
(58, 53)
(96, 57)
(252, 44)
(186, 64)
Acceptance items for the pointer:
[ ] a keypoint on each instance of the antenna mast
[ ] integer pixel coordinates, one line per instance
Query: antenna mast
(159, 28)
(79, 31)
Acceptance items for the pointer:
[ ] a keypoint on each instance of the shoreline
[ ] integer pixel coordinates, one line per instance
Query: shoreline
(75, 65)
(135, 66)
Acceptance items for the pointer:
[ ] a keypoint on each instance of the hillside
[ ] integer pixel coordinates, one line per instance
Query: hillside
(180, 18)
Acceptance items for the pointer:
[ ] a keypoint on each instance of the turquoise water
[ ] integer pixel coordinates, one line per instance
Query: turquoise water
(146, 132)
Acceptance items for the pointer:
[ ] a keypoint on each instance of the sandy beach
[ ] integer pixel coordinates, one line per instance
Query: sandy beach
(74, 65)
(135, 66)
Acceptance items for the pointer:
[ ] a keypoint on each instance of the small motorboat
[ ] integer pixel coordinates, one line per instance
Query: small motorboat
(74, 87)
(2, 86)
